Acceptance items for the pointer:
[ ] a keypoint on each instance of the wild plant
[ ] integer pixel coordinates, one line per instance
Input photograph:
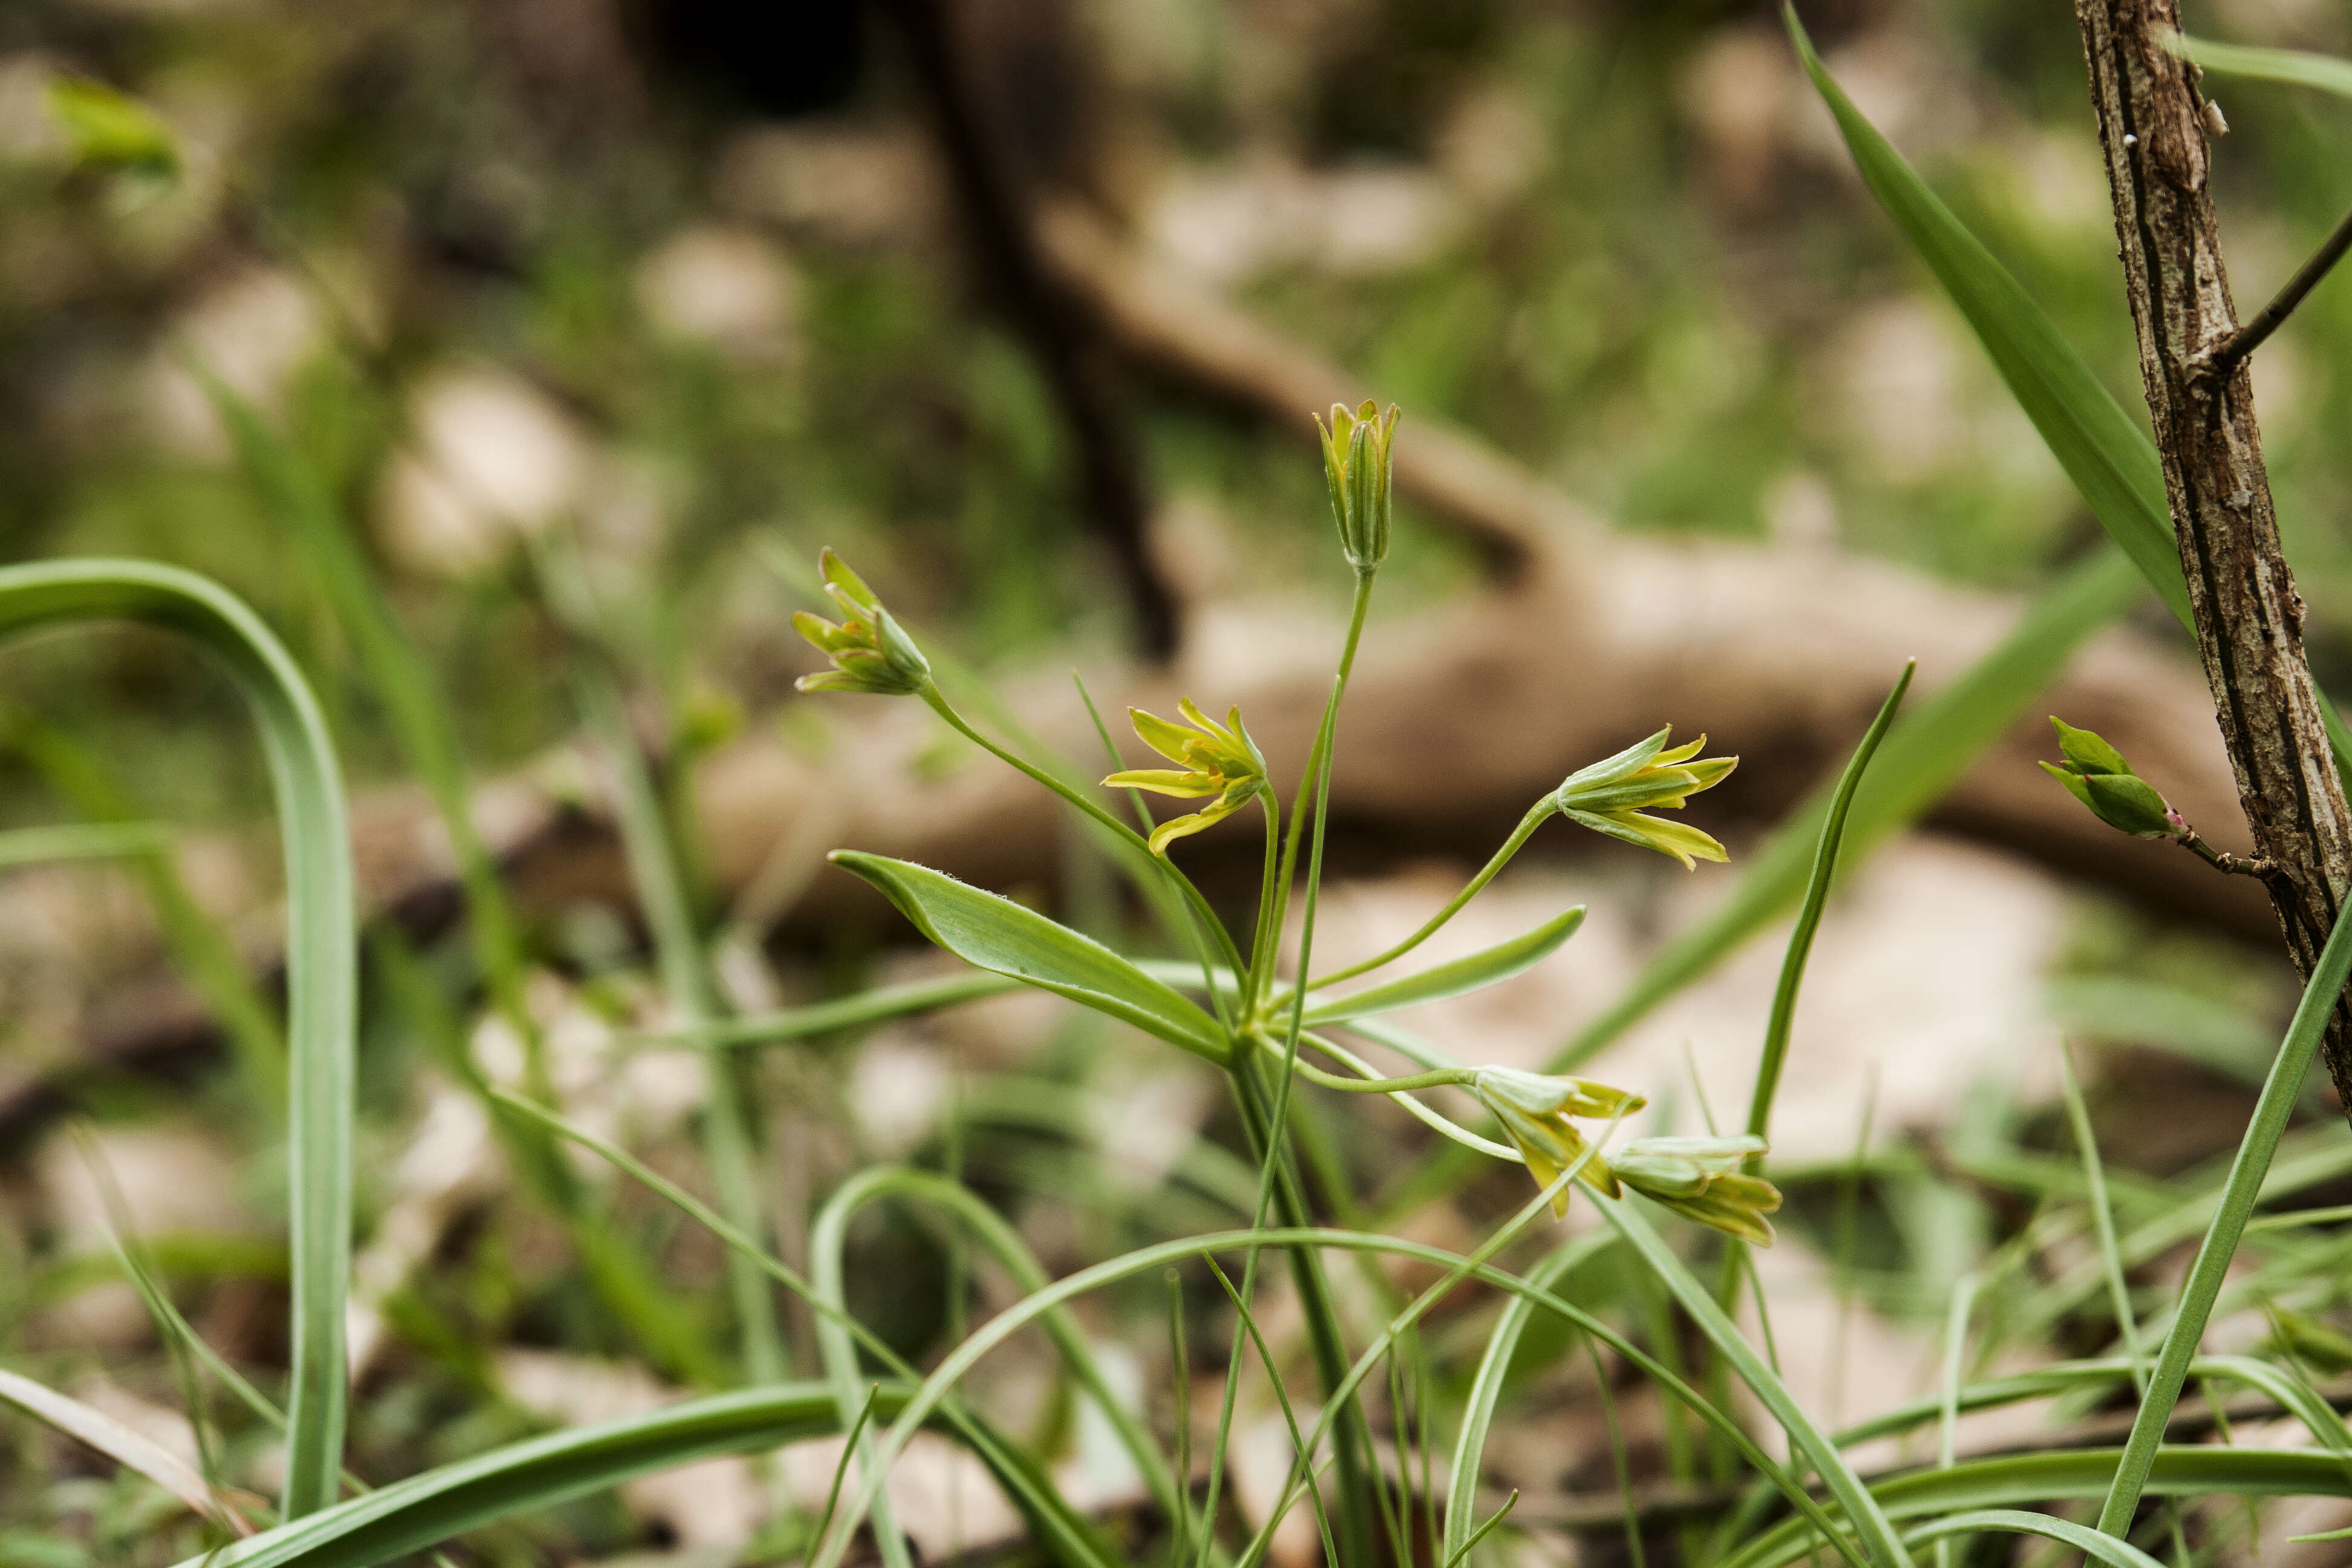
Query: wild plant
(1267, 1021)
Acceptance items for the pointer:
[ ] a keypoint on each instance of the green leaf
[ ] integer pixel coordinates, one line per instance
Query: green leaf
(119, 1443)
(2087, 750)
(996, 934)
(2070, 1474)
(2103, 451)
(2294, 66)
(2010, 1521)
(2129, 804)
(1451, 979)
(321, 950)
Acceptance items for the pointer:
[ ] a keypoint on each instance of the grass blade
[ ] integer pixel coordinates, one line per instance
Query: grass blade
(1808, 914)
(2239, 1195)
(83, 841)
(2294, 66)
(321, 955)
(126, 1447)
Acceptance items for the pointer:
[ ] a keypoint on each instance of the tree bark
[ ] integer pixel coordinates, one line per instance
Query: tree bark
(2249, 616)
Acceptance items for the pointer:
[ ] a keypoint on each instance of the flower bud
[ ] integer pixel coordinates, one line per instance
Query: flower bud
(1356, 467)
(1701, 1179)
(869, 650)
(2096, 774)
(1612, 796)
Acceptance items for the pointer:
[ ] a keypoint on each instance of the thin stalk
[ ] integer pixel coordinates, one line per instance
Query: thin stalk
(686, 980)
(1354, 1443)
(1536, 817)
(1956, 1343)
(2272, 1112)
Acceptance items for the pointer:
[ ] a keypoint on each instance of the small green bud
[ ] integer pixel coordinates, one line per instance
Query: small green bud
(1533, 1110)
(1356, 467)
(1611, 795)
(2096, 774)
(869, 650)
(1219, 760)
(1701, 1179)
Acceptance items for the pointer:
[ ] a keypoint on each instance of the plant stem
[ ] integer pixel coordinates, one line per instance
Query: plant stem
(1536, 817)
(2281, 1091)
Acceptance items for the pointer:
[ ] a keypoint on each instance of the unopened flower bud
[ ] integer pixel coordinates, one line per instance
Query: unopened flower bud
(1356, 466)
(2096, 774)
(1701, 1179)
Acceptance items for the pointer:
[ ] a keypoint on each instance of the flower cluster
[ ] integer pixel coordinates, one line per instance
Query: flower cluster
(1219, 760)
(1611, 796)
(869, 650)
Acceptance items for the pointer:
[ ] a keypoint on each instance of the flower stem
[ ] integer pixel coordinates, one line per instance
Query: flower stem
(1535, 818)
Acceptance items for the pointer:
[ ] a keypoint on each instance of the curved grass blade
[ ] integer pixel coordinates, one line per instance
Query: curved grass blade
(2012, 1521)
(996, 934)
(828, 1239)
(937, 1387)
(1877, 1534)
(2065, 1475)
(1072, 1540)
(1808, 914)
(126, 1447)
(2239, 1195)
(1486, 1388)
(1451, 979)
(321, 953)
(2295, 66)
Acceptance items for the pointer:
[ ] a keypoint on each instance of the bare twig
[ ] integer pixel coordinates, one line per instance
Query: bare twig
(2248, 615)
(2217, 364)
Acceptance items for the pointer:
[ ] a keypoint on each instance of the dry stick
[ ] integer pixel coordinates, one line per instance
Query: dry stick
(2249, 616)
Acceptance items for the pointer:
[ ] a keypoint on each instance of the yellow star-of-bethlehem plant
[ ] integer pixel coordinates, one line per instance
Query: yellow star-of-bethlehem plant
(1535, 1110)
(1218, 760)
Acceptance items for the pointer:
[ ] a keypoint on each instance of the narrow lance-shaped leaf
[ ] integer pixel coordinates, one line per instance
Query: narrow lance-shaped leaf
(996, 934)
(2106, 455)
(321, 955)
(119, 1443)
(1452, 978)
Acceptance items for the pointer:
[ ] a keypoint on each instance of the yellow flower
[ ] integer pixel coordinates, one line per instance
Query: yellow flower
(1701, 1179)
(1533, 1110)
(1219, 760)
(870, 651)
(1611, 795)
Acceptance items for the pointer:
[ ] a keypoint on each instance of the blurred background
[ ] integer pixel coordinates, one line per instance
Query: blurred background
(1022, 305)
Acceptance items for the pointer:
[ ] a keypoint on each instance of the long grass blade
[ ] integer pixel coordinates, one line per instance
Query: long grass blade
(83, 841)
(86, 1424)
(2272, 1112)
(321, 955)
(2296, 68)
